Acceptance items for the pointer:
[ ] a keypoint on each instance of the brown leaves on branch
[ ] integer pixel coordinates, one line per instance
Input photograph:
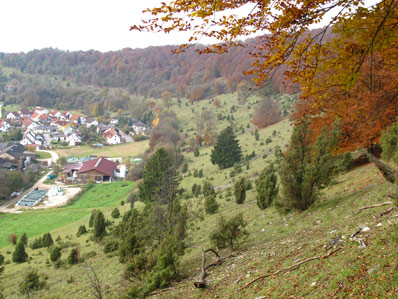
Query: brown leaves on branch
(267, 113)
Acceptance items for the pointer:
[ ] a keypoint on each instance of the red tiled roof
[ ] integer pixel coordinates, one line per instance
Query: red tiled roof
(102, 165)
(34, 115)
(43, 117)
(75, 117)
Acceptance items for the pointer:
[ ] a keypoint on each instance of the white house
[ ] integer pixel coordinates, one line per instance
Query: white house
(32, 138)
(91, 122)
(12, 116)
(4, 126)
(55, 113)
(41, 110)
(140, 127)
(111, 136)
(68, 130)
(74, 139)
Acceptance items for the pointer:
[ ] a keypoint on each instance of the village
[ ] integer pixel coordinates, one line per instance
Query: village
(41, 130)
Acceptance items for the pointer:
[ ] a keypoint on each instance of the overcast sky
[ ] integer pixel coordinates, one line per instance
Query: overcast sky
(79, 25)
(76, 25)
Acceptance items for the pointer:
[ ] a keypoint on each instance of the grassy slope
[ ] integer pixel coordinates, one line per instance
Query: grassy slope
(274, 242)
(121, 150)
(37, 222)
(277, 242)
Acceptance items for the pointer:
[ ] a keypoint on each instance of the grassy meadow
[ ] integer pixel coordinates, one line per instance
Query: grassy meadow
(37, 222)
(124, 150)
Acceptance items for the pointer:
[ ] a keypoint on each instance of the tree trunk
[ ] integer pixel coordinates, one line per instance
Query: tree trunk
(388, 173)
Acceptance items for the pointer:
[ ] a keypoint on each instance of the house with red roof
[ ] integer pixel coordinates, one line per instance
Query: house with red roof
(12, 116)
(55, 113)
(35, 116)
(111, 136)
(44, 118)
(97, 170)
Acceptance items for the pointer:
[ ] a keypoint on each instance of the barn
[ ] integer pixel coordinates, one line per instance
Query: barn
(97, 170)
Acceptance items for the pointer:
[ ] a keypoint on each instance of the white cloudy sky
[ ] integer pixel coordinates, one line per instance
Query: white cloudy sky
(78, 25)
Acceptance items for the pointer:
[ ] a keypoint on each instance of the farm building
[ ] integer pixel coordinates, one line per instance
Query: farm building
(32, 198)
(97, 170)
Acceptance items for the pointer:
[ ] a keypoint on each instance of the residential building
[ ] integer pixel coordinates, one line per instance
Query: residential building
(111, 136)
(97, 170)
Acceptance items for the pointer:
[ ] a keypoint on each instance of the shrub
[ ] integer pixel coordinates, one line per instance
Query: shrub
(19, 255)
(111, 246)
(73, 257)
(24, 239)
(99, 229)
(266, 187)
(196, 152)
(115, 213)
(307, 166)
(47, 240)
(211, 206)
(184, 168)
(208, 189)
(92, 217)
(345, 162)
(13, 238)
(55, 254)
(31, 282)
(1, 260)
(81, 231)
(228, 232)
(257, 135)
(240, 191)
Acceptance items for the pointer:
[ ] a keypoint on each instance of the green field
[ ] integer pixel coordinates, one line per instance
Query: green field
(37, 222)
(42, 155)
(133, 149)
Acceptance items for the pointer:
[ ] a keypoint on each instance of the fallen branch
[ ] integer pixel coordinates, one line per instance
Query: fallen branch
(160, 291)
(291, 267)
(374, 206)
(386, 212)
(201, 283)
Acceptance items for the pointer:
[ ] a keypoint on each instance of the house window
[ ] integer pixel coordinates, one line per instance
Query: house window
(98, 178)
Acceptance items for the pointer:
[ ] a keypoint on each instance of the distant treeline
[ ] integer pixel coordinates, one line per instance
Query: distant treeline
(145, 72)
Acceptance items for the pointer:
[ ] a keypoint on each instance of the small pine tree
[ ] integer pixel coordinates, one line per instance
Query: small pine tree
(211, 206)
(19, 255)
(208, 189)
(266, 186)
(24, 239)
(47, 240)
(184, 168)
(92, 217)
(55, 254)
(99, 229)
(73, 257)
(81, 231)
(31, 282)
(115, 213)
(307, 166)
(257, 135)
(226, 151)
(240, 191)
(196, 152)
(228, 232)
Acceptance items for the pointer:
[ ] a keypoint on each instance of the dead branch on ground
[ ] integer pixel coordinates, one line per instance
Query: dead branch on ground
(201, 283)
(291, 267)
(374, 206)
(160, 291)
